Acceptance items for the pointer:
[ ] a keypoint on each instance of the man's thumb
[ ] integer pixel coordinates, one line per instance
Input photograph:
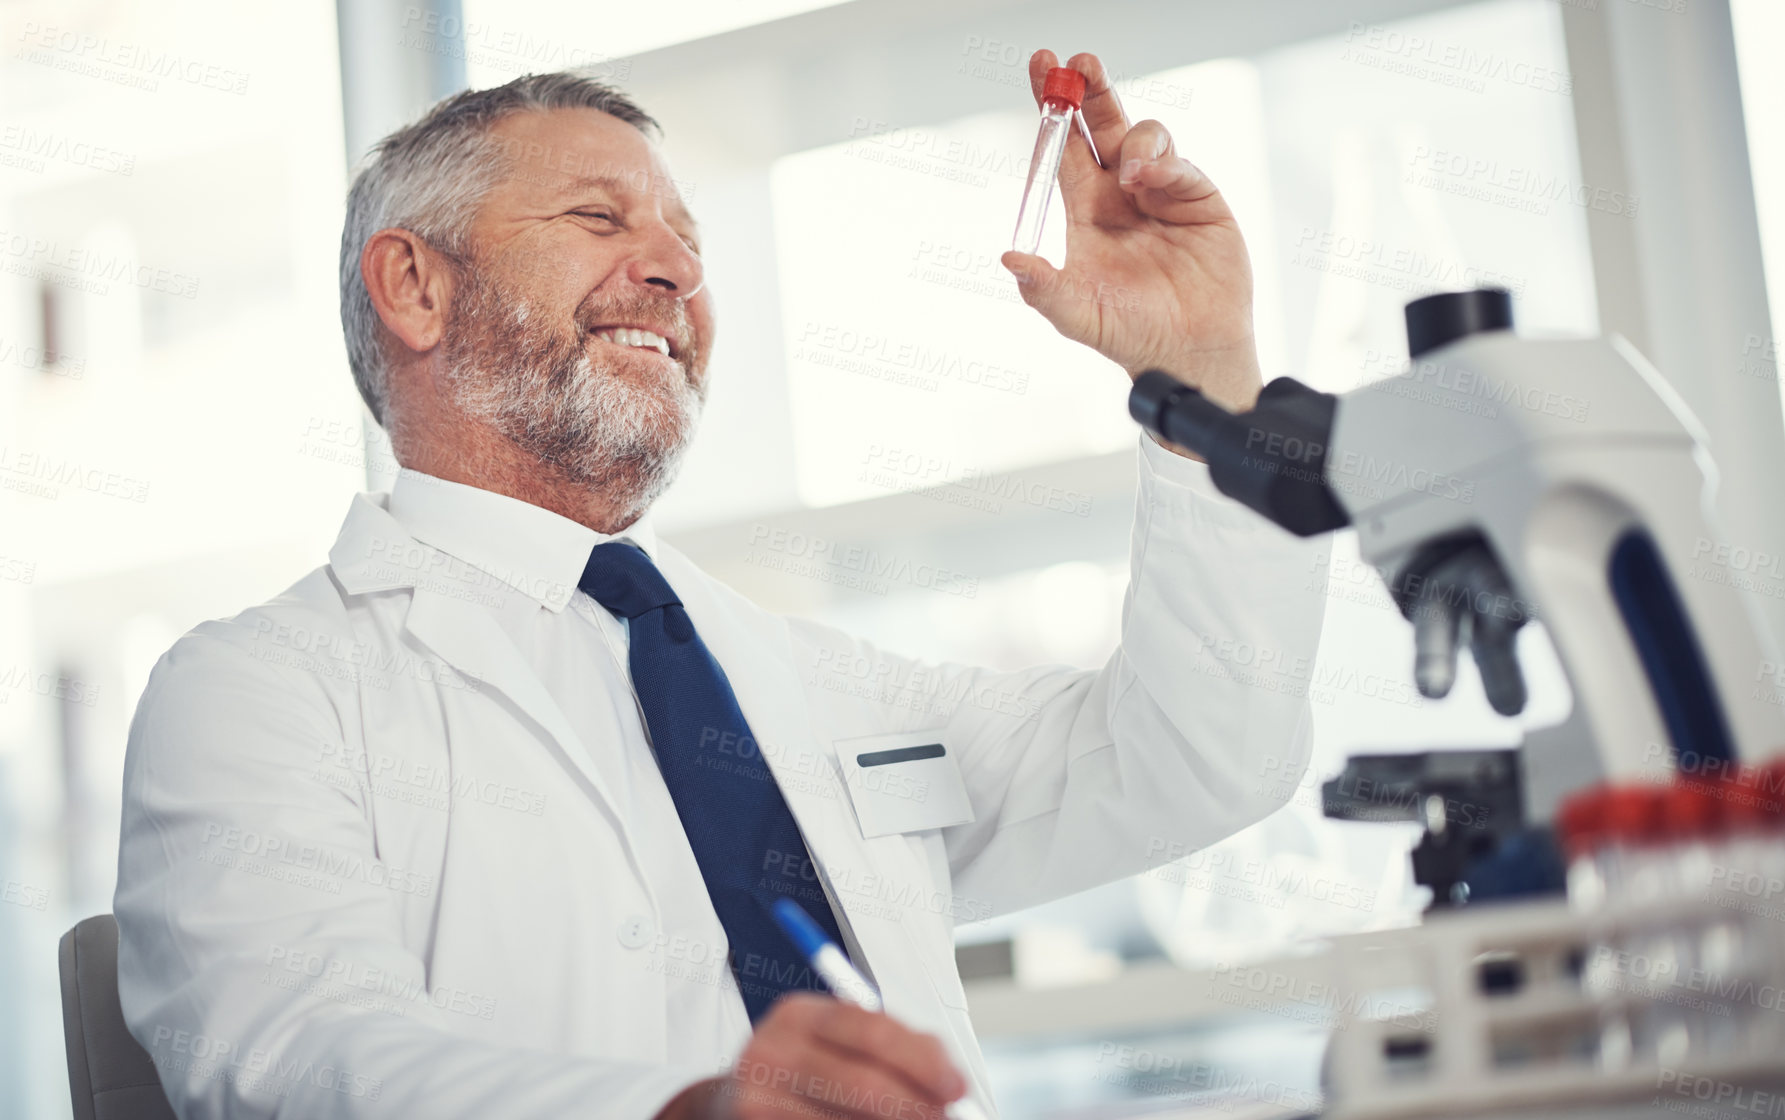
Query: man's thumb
(1036, 280)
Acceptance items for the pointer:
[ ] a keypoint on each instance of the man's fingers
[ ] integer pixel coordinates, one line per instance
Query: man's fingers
(1147, 142)
(920, 1059)
(1102, 109)
(742, 1100)
(1163, 184)
(1039, 64)
(857, 1086)
(1174, 177)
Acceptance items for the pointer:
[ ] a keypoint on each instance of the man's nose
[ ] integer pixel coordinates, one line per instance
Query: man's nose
(664, 261)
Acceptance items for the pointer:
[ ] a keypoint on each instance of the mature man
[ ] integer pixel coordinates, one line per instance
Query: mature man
(484, 817)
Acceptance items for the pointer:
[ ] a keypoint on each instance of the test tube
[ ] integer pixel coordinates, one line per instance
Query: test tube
(1061, 95)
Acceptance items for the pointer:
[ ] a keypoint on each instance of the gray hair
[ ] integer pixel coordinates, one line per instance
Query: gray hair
(429, 178)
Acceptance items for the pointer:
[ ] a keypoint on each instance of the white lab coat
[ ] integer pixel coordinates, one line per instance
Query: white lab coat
(299, 933)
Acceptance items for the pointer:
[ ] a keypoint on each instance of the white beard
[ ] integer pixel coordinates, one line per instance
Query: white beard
(541, 391)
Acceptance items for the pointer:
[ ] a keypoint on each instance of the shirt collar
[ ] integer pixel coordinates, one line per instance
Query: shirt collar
(537, 552)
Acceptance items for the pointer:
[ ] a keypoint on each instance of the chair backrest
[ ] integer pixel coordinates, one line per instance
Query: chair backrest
(110, 1076)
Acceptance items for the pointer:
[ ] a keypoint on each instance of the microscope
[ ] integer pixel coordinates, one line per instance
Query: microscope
(1516, 479)
(1502, 480)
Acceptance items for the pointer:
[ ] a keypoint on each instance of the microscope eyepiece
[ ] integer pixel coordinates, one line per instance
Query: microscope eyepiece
(1442, 319)
(1272, 458)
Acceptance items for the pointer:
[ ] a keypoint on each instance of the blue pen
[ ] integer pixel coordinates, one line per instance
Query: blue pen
(844, 980)
(826, 957)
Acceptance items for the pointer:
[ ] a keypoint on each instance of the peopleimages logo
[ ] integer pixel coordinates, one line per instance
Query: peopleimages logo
(1525, 189)
(131, 64)
(1227, 873)
(910, 471)
(383, 989)
(1397, 267)
(255, 852)
(901, 360)
(862, 560)
(1454, 64)
(1300, 997)
(33, 145)
(1157, 1073)
(1458, 389)
(206, 1056)
(46, 476)
(87, 269)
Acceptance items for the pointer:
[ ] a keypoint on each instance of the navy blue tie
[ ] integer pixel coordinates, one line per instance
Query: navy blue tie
(744, 837)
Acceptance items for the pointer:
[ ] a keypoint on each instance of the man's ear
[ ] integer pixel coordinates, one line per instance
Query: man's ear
(409, 285)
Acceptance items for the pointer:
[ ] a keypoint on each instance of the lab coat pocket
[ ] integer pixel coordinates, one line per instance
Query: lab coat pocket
(903, 782)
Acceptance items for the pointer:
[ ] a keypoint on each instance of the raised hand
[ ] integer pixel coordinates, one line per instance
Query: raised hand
(1156, 274)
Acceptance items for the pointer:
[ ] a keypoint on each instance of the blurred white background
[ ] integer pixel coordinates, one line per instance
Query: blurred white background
(179, 436)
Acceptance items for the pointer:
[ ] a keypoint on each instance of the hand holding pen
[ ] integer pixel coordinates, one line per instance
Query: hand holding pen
(832, 965)
(812, 1055)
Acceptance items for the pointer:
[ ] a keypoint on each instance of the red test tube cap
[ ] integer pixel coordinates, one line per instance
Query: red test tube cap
(1580, 822)
(1064, 84)
(1756, 800)
(1633, 814)
(1692, 810)
(1770, 792)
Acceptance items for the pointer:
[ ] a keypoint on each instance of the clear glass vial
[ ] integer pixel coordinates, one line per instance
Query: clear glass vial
(1061, 95)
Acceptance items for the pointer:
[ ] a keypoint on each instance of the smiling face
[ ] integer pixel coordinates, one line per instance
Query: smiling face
(580, 325)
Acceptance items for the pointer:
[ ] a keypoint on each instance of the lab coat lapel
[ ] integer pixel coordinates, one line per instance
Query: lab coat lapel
(467, 636)
(461, 628)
